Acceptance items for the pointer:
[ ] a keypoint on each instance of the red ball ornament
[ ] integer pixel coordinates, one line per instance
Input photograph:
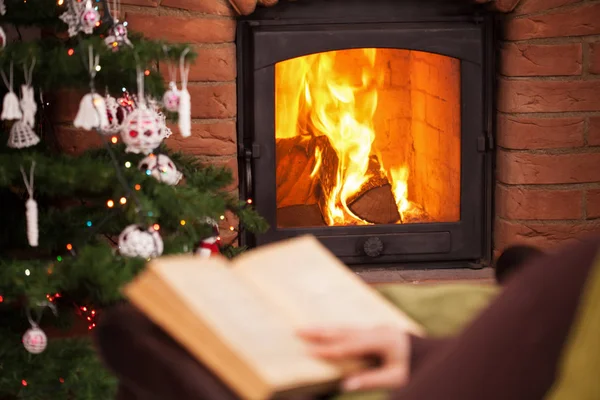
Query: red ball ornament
(35, 340)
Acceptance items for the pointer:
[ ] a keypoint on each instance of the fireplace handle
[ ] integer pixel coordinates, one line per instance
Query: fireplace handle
(249, 154)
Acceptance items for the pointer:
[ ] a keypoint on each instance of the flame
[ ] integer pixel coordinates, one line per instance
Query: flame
(338, 102)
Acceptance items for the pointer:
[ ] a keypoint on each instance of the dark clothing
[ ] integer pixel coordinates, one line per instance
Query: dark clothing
(510, 351)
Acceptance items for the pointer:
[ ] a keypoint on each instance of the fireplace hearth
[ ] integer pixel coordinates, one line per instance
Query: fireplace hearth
(369, 125)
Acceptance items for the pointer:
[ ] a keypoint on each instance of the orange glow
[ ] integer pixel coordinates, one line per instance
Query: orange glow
(365, 119)
(156, 227)
(110, 204)
(69, 247)
(114, 140)
(137, 186)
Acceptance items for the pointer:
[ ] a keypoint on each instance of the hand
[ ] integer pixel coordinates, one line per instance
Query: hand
(390, 345)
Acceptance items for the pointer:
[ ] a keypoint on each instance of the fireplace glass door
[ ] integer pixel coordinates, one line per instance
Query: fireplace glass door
(367, 136)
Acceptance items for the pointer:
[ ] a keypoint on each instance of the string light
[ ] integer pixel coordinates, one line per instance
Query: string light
(222, 217)
(27, 272)
(114, 140)
(98, 67)
(147, 72)
(249, 201)
(125, 23)
(122, 200)
(138, 186)
(89, 223)
(182, 222)
(61, 380)
(156, 227)
(24, 382)
(60, 2)
(59, 258)
(70, 52)
(150, 213)
(231, 228)
(1, 299)
(69, 247)
(127, 164)
(110, 204)
(148, 172)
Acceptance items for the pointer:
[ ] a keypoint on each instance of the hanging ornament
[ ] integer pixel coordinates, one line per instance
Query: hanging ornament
(135, 241)
(161, 168)
(210, 245)
(117, 37)
(35, 340)
(140, 131)
(171, 98)
(185, 106)
(2, 38)
(22, 135)
(31, 209)
(163, 128)
(112, 110)
(92, 109)
(2, 7)
(89, 17)
(10, 105)
(28, 104)
(74, 17)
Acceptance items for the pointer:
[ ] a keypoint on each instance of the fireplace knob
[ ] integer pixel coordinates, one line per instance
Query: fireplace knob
(373, 247)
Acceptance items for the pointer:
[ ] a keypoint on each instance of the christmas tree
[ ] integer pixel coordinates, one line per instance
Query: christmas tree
(76, 228)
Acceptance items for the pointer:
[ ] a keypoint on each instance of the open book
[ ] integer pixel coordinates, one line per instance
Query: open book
(240, 318)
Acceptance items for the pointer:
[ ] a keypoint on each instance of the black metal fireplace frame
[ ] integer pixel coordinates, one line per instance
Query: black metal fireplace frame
(291, 29)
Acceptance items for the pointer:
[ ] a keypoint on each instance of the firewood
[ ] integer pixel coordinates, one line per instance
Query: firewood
(300, 216)
(375, 201)
(295, 160)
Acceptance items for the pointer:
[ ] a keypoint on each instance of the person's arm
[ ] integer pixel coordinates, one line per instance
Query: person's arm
(422, 348)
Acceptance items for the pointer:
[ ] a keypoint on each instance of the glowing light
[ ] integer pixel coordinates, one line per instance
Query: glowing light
(123, 200)
(70, 52)
(69, 247)
(61, 380)
(138, 186)
(24, 382)
(110, 204)
(249, 201)
(127, 164)
(59, 258)
(222, 217)
(115, 44)
(27, 272)
(147, 72)
(182, 222)
(60, 2)
(114, 139)
(83, 308)
(1, 299)
(89, 223)
(125, 23)
(98, 67)
(123, 89)
(97, 23)
(231, 228)
(148, 172)
(156, 227)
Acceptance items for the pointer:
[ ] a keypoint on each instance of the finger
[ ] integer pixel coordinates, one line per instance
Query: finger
(358, 345)
(391, 377)
(319, 334)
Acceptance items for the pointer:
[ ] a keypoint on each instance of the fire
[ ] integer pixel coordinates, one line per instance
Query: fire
(338, 102)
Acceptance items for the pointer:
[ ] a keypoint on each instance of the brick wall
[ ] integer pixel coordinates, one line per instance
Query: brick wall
(548, 132)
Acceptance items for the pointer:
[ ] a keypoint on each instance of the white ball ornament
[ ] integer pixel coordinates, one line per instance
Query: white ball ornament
(161, 168)
(35, 340)
(135, 241)
(171, 98)
(90, 17)
(141, 132)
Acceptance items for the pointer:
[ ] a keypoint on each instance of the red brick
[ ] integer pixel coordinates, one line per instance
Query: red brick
(532, 6)
(594, 131)
(594, 66)
(526, 96)
(542, 235)
(526, 168)
(232, 164)
(540, 60)
(64, 104)
(213, 101)
(144, 3)
(215, 7)
(183, 29)
(214, 64)
(520, 203)
(539, 133)
(212, 139)
(592, 198)
(579, 21)
(75, 141)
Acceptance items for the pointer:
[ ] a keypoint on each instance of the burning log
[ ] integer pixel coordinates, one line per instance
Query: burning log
(375, 201)
(304, 216)
(295, 162)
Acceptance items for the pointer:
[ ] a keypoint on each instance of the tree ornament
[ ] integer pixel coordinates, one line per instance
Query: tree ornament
(141, 132)
(89, 17)
(31, 209)
(171, 98)
(161, 168)
(135, 241)
(35, 340)
(185, 106)
(92, 109)
(112, 111)
(28, 104)
(21, 136)
(2, 38)
(10, 105)
(73, 17)
(211, 245)
(117, 37)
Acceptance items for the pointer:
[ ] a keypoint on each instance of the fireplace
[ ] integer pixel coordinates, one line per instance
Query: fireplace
(368, 124)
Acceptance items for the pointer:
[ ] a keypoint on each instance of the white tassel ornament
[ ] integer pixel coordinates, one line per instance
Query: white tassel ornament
(10, 104)
(185, 106)
(31, 209)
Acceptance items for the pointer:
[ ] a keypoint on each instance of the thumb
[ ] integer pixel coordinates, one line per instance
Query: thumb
(387, 377)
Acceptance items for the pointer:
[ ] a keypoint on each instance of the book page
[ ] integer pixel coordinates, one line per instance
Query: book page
(313, 288)
(243, 319)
